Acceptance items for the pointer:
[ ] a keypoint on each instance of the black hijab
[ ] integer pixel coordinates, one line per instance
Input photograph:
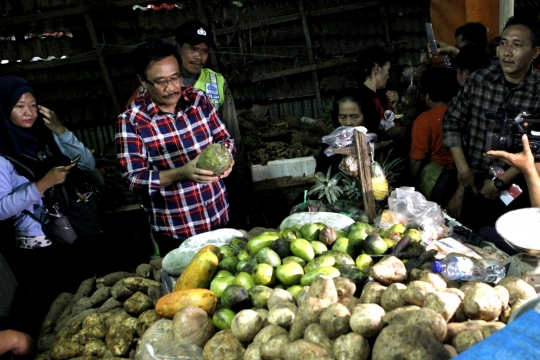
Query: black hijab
(25, 144)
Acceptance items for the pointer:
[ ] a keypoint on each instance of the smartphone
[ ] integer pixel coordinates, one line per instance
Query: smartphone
(76, 159)
(431, 39)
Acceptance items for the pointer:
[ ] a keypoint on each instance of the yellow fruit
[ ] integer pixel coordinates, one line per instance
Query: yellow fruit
(378, 182)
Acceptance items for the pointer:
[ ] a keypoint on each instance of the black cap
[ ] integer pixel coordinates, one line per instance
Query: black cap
(471, 57)
(194, 32)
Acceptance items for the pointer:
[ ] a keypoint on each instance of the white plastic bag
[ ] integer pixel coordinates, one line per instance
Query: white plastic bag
(413, 208)
(343, 137)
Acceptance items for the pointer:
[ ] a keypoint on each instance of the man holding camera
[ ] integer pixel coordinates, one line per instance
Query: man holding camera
(512, 84)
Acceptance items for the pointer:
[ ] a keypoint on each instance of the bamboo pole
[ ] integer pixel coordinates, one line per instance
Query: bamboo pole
(364, 173)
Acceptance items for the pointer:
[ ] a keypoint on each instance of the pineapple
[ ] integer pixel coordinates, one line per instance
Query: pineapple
(378, 182)
(327, 186)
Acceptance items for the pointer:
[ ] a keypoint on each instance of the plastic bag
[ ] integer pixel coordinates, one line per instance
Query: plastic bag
(349, 165)
(343, 137)
(158, 343)
(414, 210)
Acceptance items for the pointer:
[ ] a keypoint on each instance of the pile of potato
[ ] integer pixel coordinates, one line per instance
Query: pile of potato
(419, 316)
(104, 318)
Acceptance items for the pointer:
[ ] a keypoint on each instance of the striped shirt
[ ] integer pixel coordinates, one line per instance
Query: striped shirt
(149, 141)
(486, 90)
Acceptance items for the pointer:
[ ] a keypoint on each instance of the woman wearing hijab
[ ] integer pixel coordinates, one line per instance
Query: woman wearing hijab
(36, 152)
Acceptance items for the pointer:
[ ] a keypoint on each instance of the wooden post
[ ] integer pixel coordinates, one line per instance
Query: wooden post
(310, 56)
(102, 64)
(364, 173)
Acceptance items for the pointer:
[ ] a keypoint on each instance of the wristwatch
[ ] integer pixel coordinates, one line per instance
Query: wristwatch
(499, 184)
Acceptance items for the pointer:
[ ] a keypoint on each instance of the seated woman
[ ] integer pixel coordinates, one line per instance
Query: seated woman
(35, 151)
(428, 158)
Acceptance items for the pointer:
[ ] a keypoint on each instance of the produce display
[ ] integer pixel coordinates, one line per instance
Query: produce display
(304, 292)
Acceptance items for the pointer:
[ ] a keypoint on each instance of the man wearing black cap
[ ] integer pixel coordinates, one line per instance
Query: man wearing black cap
(193, 40)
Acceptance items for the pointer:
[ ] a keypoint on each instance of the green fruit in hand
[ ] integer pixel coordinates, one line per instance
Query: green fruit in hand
(289, 274)
(303, 249)
(244, 279)
(263, 274)
(219, 284)
(216, 158)
(223, 318)
(363, 262)
(344, 245)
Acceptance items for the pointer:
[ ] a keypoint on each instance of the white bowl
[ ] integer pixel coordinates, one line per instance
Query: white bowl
(521, 229)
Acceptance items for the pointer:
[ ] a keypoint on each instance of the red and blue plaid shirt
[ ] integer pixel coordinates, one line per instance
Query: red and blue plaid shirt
(149, 140)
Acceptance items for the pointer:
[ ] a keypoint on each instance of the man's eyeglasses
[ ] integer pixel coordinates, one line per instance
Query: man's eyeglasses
(175, 80)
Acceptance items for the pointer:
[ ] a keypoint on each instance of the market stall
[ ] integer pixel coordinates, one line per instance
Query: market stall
(320, 285)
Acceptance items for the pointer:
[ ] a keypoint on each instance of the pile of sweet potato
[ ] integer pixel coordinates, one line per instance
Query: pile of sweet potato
(104, 318)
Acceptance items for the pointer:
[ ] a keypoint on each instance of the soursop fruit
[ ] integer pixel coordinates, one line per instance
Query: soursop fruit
(215, 158)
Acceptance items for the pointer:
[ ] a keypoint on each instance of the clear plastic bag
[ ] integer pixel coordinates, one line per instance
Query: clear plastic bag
(158, 343)
(343, 137)
(414, 210)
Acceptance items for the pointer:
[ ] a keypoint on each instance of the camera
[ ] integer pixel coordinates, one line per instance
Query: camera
(506, 129)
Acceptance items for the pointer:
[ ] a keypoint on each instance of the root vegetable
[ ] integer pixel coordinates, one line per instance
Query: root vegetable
(155, 293)
(351, 346)
(109, 304)
(97, 298)
(89, 333)
(316, 334)
(156, 263)
(466, 339)
(120, 291)
(324, 288)
(503, 295)
(66, 350)
(95, 348)
(388, 271)
(268, 332)
(372, 292)
(309, 312)
(156, 274)
(45, 342)
(417, 291)
(263, 313)
(144, 270)
(119, 339)
(113, 278)
(273, 348)
(56, 309)
(367, 320)
(393, 297)
(481, 302)
(192, 325)
(279, 296)
(430, 320)
(344, 287)
(415, 275)
(451, 350)
(253, 352)
(436, 280)
(282, 315)
(224, 345)
(335, 320)
(138, 283)
(407, 342)
(145, 320)
(137, 303)
(460, 294)
(518, 289)
(246, 324)
(400, 315)
(303, 350)
(444, 303)
(350, 302)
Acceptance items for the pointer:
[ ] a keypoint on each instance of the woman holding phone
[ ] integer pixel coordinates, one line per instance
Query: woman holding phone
(36, 152)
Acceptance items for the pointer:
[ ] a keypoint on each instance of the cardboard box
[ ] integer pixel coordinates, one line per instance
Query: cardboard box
(299, 167)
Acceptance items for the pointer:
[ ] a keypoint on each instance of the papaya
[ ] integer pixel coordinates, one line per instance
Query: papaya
(200, 270)
(168, 305)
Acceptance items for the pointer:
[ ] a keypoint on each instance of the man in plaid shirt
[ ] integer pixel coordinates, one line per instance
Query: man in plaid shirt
(158, 142)
(512, 84)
